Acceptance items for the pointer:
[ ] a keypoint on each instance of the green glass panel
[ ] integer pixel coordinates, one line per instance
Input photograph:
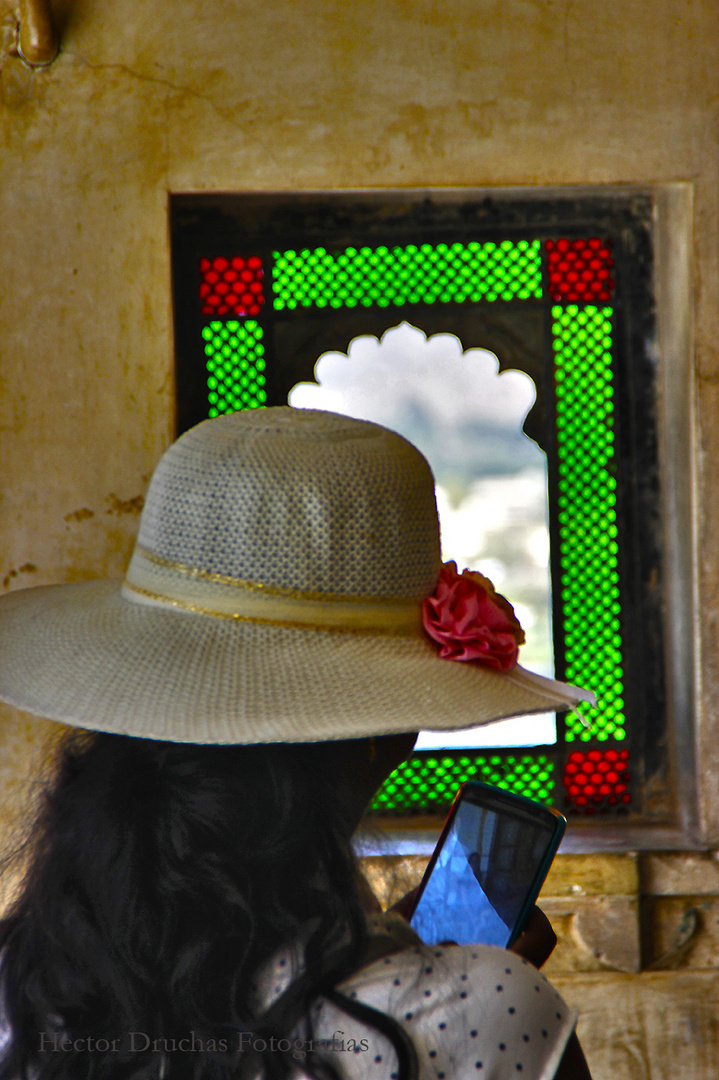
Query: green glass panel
(232, 381)
(407, 275)
(432, 782)
(582, 340)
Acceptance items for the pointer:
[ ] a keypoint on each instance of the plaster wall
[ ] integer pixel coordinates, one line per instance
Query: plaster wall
(150, 98)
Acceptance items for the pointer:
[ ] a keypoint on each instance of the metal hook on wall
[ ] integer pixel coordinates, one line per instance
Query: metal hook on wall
(37, 42)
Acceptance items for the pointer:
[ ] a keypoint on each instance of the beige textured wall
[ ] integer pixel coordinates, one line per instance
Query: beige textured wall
(152, 97)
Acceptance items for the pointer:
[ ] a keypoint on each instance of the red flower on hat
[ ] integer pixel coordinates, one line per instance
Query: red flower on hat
(471, 621)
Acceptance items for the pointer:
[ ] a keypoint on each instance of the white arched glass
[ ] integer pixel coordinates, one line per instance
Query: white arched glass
(466, 417)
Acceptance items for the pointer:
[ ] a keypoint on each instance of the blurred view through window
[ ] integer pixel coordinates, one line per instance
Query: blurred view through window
(466, 417)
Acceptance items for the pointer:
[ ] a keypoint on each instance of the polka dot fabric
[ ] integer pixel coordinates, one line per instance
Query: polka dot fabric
(471, 1011)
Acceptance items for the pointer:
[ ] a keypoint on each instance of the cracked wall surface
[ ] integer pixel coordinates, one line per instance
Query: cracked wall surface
(145, 99)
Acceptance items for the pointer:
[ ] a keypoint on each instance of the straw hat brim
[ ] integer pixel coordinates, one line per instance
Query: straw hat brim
(84, 655)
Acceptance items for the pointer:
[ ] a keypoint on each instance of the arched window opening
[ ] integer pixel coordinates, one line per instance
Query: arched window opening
(467, 419)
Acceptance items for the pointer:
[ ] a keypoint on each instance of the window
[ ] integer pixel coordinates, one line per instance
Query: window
(560, 286)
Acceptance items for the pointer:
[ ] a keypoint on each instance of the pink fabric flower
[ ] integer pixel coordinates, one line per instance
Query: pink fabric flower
(471, 621)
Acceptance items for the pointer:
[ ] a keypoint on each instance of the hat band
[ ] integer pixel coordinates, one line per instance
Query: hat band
(160, 582)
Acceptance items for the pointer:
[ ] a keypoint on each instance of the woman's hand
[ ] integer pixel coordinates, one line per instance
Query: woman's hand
(537, 941)
(404, 906)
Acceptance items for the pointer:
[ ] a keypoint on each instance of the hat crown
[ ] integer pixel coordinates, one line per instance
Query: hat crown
(300, 500)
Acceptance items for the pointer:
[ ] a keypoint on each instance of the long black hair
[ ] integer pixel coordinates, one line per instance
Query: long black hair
(160, 877)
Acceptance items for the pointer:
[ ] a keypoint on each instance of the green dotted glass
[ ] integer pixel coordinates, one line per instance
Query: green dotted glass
(582, 341)
(431, 783)
(235, 366)
(426, 273)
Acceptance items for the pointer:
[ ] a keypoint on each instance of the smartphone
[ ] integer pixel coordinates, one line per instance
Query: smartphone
(491, 860)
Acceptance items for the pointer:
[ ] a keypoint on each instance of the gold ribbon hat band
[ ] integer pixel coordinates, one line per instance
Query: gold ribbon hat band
(159, 582)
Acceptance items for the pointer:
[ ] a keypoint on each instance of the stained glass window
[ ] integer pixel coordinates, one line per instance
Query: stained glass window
(561, 288)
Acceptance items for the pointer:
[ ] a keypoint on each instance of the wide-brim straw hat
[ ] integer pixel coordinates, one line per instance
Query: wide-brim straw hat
(273, 595)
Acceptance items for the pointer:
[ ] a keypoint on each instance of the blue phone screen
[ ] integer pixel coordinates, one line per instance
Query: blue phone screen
(482, 876)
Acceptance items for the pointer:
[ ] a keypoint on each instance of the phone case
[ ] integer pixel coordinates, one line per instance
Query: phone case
(495, 798)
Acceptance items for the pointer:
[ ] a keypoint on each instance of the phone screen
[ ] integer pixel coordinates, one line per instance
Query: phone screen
(484, 874)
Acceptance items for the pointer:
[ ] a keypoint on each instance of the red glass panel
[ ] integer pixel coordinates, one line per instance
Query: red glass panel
(232, 286)
(597, 779)
(579, 271)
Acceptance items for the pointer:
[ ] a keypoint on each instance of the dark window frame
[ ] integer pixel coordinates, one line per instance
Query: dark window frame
(215, 225)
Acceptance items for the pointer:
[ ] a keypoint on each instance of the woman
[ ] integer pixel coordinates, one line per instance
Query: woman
(191, 905)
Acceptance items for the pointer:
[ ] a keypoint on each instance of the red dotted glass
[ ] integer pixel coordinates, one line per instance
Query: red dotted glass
(596, 779)
(232, 286)
(579, 271)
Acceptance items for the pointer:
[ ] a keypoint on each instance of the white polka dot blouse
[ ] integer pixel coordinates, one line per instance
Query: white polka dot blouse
(470, 1011)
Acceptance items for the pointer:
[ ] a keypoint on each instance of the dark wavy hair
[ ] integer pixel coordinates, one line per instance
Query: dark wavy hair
(160, 877)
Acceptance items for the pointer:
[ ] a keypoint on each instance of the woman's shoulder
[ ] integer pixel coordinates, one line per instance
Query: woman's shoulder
(469, 1002)
(454, 969)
